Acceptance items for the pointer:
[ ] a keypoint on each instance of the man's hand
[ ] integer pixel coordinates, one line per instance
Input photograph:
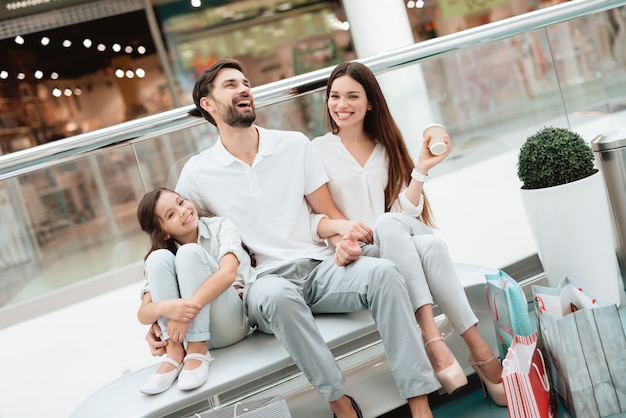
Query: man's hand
(157, 347)
(347, 250)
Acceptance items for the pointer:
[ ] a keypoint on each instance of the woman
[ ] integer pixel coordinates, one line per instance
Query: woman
(373, 179)
(196, 272)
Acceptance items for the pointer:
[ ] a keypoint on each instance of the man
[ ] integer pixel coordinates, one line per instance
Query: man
(265, 181)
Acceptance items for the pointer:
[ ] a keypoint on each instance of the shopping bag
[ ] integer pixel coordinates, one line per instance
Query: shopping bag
(527, 381)
(585, 348)
(508, 309)
(275, 407)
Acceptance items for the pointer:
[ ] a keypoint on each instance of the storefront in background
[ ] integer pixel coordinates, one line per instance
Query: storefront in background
(74, 66)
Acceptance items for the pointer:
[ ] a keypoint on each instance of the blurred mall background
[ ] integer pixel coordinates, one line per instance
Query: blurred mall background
(72, 66)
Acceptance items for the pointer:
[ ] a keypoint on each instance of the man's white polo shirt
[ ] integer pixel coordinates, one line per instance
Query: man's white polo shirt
(266, 200)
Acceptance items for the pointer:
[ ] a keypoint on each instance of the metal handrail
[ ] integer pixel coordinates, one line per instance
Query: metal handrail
(37, 157)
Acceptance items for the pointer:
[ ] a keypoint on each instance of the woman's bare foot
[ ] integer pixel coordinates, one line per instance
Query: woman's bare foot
(490, 366)
(342, 408)
(438, 353)
(419, 407)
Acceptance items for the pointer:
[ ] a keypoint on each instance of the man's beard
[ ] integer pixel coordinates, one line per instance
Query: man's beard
(236, 119)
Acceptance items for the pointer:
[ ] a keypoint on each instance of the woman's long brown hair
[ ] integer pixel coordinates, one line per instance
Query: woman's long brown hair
(151, 224)
(380, 125)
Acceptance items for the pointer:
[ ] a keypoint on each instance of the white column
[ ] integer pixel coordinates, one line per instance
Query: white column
(380, 26)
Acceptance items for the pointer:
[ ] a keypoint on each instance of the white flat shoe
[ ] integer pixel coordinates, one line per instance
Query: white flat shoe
(191, 379)
(160, 382)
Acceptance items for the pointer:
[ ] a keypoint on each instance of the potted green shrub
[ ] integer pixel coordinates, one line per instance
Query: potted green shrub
(568, 212)
(554, 156)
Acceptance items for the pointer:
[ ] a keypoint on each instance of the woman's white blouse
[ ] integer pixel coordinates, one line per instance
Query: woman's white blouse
(359, 191)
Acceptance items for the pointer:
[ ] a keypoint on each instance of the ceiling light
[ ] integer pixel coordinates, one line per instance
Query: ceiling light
(4, 75)
(419, 4)
(45, 40)
(54, 75)
(130, 73)
(101, 47)
(196, 3)
(141, 49)
(38, 74)
(67, 92)
(117, 47)
(119, 73)
(21, 76)
(410, 4)
(56, 92)
(87, 43)
(128, 49)
(67, 43)
(77, 91)
(19, 40)
(284, 7)
(140, 72)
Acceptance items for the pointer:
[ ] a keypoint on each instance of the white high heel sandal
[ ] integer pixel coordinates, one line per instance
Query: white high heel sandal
(452, 378)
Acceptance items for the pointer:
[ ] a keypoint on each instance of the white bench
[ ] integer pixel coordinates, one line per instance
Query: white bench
(255, 362)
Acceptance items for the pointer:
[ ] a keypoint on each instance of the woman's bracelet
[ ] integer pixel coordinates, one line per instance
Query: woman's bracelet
(417, 176)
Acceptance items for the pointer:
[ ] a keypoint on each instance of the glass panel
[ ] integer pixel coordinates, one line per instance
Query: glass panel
(304, 114)
(161, 158)
(77, 220)
(591, 66)
(69, 223)
(490, 98)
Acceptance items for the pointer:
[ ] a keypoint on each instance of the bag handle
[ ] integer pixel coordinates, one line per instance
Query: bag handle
(513, 356)
(541, 304)
(495, 316)
(544, 378)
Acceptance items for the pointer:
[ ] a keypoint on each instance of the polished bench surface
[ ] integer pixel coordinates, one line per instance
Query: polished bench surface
(259, 357)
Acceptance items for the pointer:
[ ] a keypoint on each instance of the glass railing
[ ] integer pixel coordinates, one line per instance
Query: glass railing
(67, 209)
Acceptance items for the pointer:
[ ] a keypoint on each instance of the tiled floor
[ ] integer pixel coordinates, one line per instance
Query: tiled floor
(470, 402)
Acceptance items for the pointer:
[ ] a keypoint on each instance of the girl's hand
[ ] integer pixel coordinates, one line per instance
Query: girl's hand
(153, 337)
(180, 309)
(426, 159)
(177, 330)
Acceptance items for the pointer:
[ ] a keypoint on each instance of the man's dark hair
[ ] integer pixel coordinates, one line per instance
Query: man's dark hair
(204, 84)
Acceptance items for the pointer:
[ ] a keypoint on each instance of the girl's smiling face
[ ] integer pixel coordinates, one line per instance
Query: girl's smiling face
(179, 217)
(347, 102)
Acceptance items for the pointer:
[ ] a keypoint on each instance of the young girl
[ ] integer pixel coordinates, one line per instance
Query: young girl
(196, 271)
(373, 179)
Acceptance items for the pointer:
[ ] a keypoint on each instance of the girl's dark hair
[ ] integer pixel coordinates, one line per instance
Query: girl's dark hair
(151, 224)
(380, 125)
(204, 84)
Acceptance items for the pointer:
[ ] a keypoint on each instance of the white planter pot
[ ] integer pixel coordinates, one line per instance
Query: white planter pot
(571, 226)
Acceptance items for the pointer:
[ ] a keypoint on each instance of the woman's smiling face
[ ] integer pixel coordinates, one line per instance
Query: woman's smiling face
(347, 102)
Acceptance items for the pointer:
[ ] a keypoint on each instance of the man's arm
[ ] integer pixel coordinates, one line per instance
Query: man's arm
(347, 248)
(336, 225)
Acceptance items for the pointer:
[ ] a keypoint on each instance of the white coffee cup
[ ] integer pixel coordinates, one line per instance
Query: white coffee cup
(437, 146)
